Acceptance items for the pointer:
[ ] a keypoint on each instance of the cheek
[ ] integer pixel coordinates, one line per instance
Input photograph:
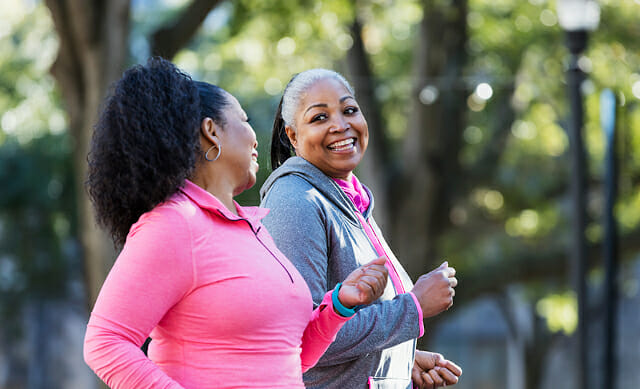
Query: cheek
(364, 128)
(309, 142)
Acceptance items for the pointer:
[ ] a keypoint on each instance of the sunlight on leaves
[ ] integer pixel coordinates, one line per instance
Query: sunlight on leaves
(560, 312)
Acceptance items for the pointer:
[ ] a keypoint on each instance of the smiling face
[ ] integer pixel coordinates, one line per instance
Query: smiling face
(239, 153)
(330, 131)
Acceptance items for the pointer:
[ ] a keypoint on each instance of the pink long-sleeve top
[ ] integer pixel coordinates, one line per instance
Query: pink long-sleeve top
(224, 307)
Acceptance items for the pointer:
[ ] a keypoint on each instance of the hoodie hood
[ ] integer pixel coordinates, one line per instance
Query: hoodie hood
(300, 167)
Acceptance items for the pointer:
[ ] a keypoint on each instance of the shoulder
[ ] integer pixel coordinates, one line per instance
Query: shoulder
(292, 201)
(171, 218)
(292, 190)
(289, 183)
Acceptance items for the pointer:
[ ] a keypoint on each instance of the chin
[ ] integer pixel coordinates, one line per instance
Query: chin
(251, 182)
(348, 167)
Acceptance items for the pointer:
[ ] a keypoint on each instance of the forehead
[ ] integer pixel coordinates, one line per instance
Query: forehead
(324, 90)
(233, 103)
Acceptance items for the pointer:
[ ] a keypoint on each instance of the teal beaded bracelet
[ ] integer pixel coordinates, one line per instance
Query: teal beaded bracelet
(342, 310)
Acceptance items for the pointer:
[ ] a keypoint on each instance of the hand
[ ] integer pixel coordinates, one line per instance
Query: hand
(434, 290)
(431, 370)
(365, 284)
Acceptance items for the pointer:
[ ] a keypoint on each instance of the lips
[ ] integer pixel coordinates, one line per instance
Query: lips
(254, 156)
(342, 145)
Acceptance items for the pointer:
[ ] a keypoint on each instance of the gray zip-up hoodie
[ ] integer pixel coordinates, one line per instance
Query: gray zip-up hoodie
(315, 225)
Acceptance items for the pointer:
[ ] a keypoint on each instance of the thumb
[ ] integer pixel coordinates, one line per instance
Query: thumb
(377, 261)
(443, 265)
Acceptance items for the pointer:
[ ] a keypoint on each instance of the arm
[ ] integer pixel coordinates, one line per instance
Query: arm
(152, 273)
(363, 286)
(373, 328)
(320, 332)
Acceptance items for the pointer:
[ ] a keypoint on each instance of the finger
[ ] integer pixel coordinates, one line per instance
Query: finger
(373, 286)
(453, 282)
(437, 380)
(377, 270)
(416, 377)
(451, 272)
(437, 359)
(366, 286)
(450, 303)
(427, 360)
(447, 376)
(428, 380)
(377, 261)
(453, 368)
(355, 275)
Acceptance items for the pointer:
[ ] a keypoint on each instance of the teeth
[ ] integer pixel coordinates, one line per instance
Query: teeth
(345, 142)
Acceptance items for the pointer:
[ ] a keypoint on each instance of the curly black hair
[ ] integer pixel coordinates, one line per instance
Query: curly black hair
(146, 141)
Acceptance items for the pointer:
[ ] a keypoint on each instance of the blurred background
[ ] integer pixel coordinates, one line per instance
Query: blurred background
(505, 138)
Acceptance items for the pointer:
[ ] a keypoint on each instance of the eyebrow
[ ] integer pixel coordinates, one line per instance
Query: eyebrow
(343, 98)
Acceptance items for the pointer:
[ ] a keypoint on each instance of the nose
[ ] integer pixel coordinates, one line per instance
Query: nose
(339, 125)
(255, 143)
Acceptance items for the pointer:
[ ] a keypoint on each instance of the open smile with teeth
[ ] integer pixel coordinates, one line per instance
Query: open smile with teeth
(343, 145)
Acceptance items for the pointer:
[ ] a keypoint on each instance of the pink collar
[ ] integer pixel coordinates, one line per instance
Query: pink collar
(206, 200)
(355, 191)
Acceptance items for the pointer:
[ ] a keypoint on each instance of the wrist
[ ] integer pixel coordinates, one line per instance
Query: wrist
(338, 306)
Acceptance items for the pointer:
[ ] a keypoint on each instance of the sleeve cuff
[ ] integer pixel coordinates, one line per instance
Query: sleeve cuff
(327, 303)
(420, 318)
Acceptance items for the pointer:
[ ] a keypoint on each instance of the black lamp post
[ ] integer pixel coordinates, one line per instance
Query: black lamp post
(610, 241)
(577, 18)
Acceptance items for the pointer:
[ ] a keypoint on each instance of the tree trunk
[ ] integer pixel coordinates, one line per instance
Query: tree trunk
(93, 49)
(430, 154)
(375, 169)
(167, 40)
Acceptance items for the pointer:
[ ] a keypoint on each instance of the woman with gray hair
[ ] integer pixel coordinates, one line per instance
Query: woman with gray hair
(321, 218)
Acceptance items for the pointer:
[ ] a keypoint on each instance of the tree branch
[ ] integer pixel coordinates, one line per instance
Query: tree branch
(167, 40)
(529, 265)
(67, 68)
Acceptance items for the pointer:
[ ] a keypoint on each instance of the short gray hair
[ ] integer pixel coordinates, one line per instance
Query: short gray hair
(299, 84)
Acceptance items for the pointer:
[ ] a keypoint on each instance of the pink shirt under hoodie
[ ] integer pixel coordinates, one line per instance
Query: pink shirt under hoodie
(360, 199)
(223, 305)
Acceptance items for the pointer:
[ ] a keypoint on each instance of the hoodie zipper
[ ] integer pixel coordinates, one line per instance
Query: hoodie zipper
(255, 233)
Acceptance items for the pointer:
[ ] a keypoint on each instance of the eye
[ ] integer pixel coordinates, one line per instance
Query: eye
(350, 110)
(320, 116)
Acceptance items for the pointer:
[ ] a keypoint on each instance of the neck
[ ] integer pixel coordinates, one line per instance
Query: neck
(345, 177)
(218, 187)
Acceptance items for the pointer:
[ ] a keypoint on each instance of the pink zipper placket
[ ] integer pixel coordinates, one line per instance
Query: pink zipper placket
(373, 238)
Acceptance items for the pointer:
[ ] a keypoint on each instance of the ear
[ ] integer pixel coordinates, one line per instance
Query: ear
(209, 130)
(293, 136)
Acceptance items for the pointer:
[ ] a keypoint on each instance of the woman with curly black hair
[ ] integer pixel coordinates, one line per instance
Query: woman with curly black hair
(197, 272)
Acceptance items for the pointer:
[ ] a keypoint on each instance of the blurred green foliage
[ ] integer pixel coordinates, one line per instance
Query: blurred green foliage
(37, 206)
(253, 48)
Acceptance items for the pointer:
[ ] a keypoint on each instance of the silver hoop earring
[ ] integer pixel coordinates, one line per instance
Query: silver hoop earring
(206, 155)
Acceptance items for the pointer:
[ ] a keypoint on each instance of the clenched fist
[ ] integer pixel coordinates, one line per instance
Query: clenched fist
(434, 290)
(365, 284)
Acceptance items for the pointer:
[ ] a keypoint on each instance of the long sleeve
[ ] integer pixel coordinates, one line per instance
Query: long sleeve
(152, 273)
(298, 224)
(320, 332)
